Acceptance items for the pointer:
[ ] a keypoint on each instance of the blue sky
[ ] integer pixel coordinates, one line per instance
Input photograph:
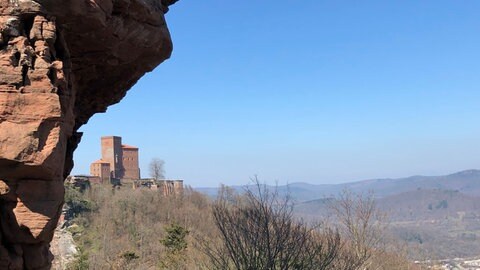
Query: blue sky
(306, 91)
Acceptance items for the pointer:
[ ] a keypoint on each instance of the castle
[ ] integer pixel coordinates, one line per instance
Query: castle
(165, 186)
(119, 165)
(119, 161)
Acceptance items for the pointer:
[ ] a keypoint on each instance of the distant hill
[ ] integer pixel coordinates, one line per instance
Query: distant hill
(432, 223)
(466, 182)
(433, 216)
(416, 205)
(424, 204)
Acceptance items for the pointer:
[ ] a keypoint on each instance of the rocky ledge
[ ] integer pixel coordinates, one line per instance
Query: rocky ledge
(60, 63)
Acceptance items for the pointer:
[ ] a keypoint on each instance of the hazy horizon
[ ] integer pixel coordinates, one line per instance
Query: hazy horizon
(316, 92)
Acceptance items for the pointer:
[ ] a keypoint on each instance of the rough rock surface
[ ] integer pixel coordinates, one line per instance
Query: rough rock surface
(60, 63)
(63, 247)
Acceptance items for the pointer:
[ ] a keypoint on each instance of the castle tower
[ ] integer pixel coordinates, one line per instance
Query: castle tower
(178, 187)
(130, 162)
(112, 153)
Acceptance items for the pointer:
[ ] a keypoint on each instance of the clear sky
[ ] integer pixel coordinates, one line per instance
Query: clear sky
(306, 91)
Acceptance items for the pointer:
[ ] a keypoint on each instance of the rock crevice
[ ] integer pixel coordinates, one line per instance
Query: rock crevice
(60, 63)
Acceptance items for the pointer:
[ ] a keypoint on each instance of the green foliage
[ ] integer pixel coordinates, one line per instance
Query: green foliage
(413, 237)
(130, 256)
(77, 201)
(81, 262)
(443, 204)
(175, 241)
(75, 229)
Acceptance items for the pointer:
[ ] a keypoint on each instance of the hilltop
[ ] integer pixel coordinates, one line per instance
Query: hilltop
(466, 182)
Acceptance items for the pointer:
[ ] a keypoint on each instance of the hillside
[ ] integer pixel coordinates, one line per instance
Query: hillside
(431, 223)
(418, 205)
(434, 204)
(144, 229)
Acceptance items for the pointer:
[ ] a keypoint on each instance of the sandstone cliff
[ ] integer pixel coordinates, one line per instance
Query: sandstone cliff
(60, 63)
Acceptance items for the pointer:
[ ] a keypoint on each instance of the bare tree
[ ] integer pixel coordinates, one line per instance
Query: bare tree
(362, 225)
(157, 170)
(258, 231)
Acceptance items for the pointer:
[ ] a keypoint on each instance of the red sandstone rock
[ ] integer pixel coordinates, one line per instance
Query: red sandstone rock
(60, 63)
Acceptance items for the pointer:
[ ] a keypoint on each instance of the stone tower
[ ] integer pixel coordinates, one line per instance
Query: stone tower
(112, 153)
(123, 159)
(131, 169)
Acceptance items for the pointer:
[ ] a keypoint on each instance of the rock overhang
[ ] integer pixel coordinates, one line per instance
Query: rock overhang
(60, 63)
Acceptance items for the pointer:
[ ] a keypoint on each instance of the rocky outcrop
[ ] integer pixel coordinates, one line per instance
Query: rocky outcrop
(63, 246)
(60, 63)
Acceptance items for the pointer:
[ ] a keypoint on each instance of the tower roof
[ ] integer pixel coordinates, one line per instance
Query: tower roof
(126, 146)
(100, 161)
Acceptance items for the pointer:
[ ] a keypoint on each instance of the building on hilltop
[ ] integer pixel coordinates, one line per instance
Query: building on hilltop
(122, 160)
(130, 162)
(101, 169)
(167, 187)
(113, 154)
(119, 166)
